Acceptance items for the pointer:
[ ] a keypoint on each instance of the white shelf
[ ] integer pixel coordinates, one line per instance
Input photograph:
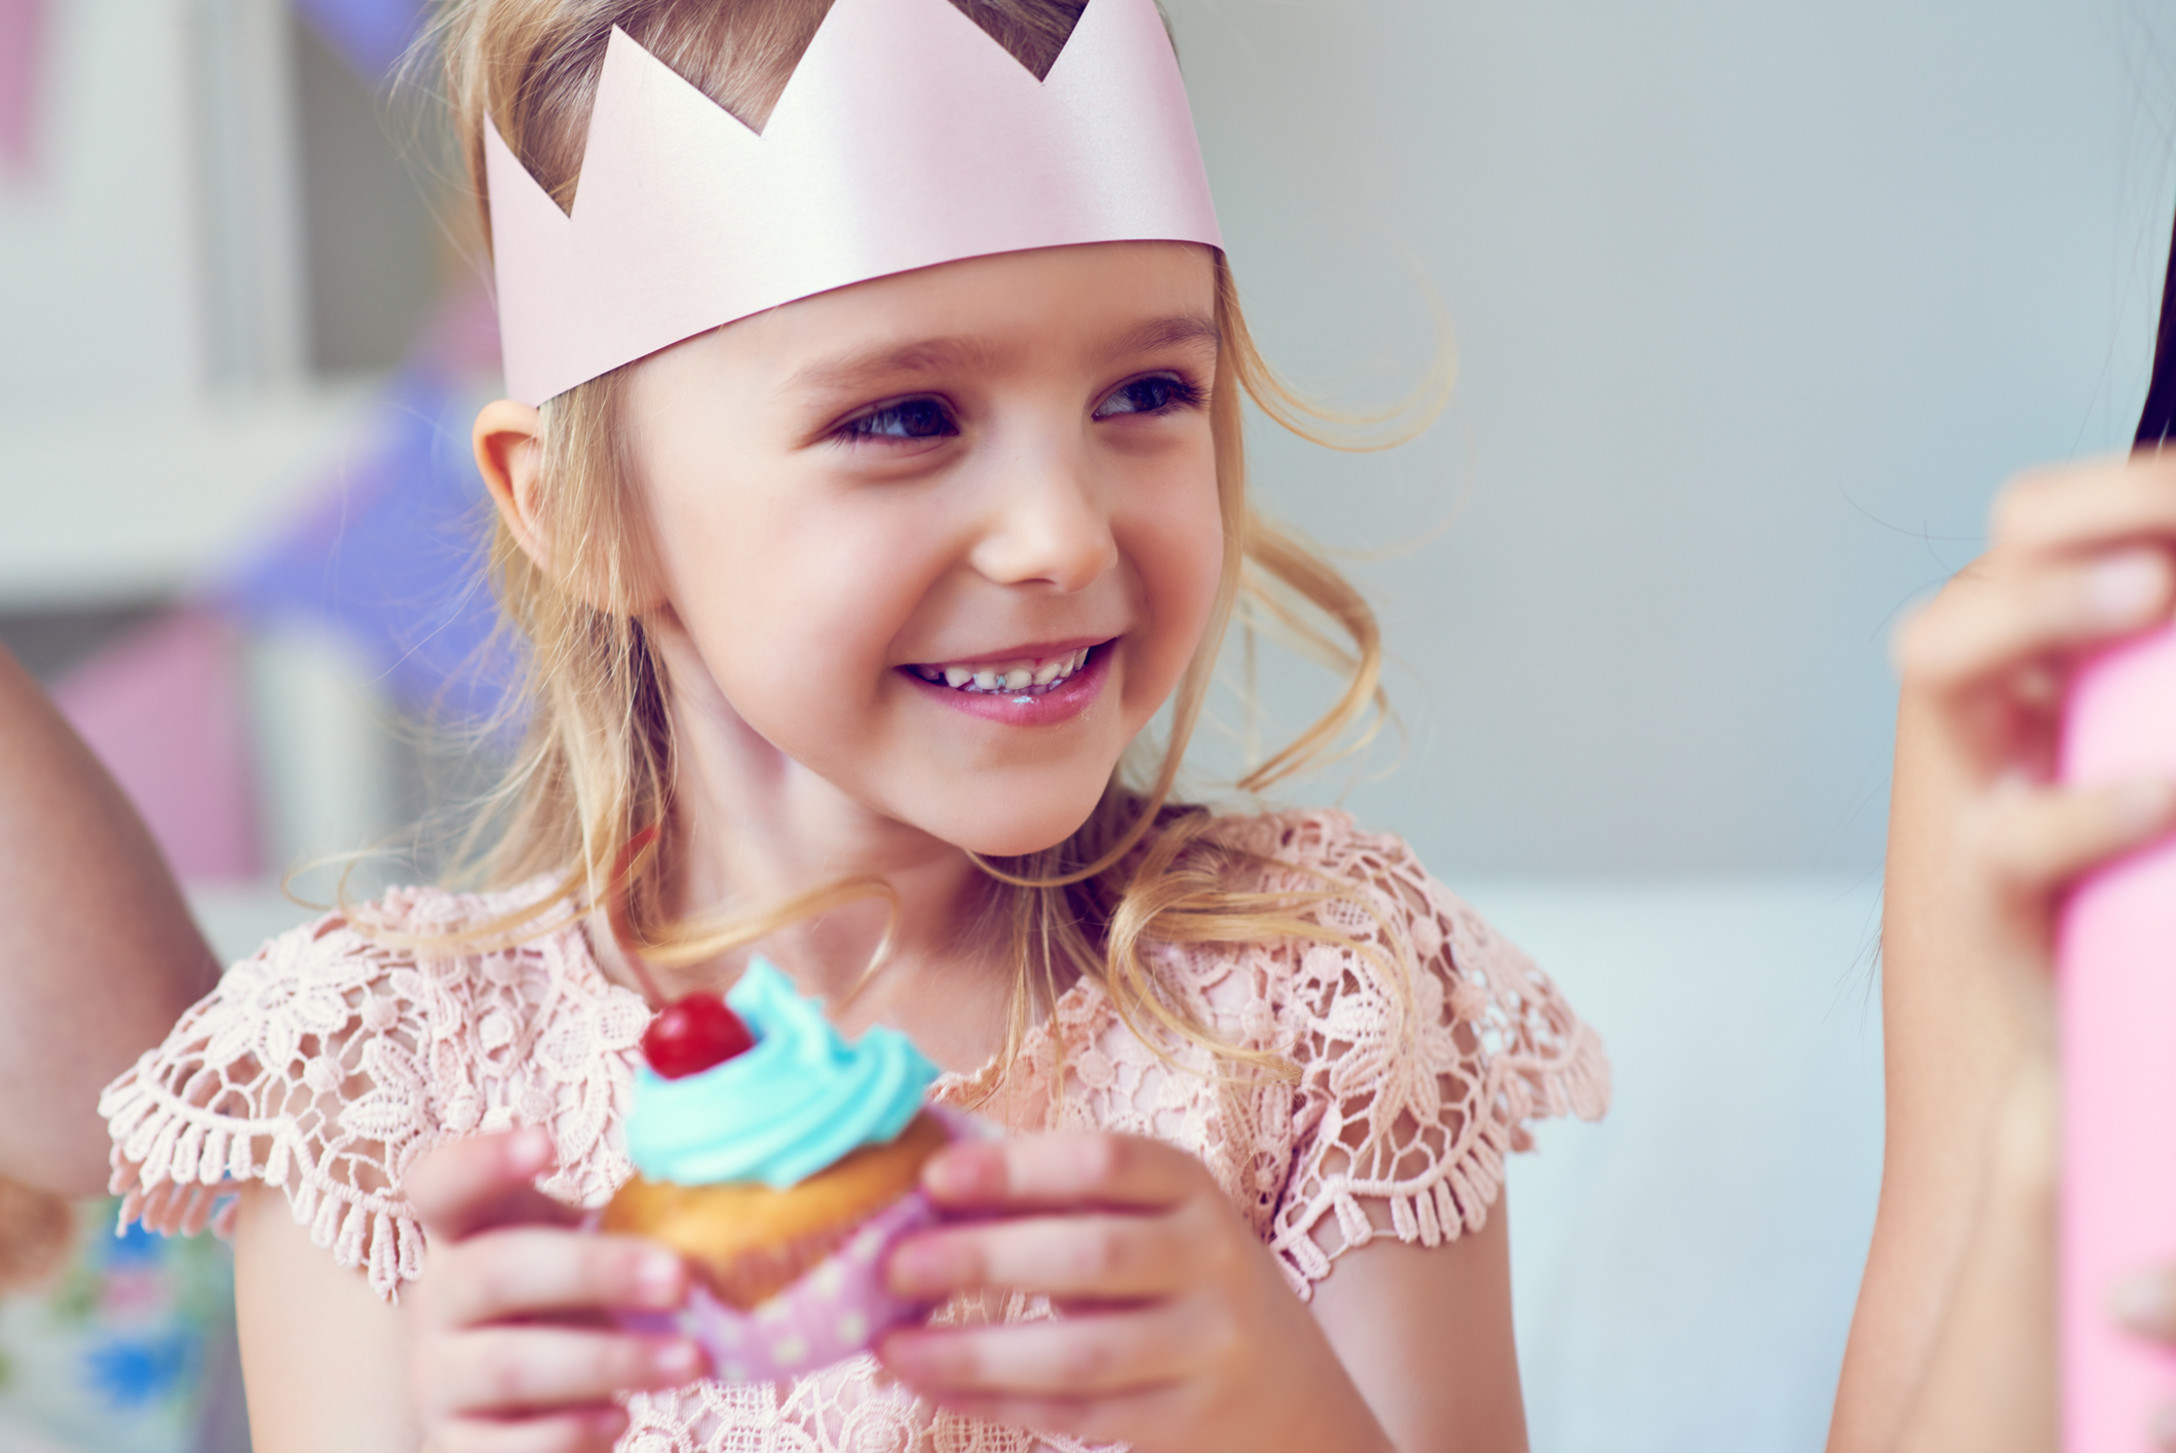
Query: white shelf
(124, 503)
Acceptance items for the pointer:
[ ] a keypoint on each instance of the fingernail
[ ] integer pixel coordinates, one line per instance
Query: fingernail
(529, 1150)
(2147, 804)
(658, 1279)
(2141, 1302)
(965, 1171)
(2126, 587)
(679, 1361)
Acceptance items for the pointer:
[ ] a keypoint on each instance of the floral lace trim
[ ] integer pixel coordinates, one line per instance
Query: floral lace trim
(1411, 1104)
(327, 1062)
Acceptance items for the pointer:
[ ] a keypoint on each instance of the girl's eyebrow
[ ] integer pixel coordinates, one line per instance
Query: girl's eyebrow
(852, 372)
(1174, 332)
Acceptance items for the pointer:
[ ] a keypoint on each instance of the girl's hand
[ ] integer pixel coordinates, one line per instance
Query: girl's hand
(2079, 558)
(1176, 1331)
(511, 1349)
(1953, 1341)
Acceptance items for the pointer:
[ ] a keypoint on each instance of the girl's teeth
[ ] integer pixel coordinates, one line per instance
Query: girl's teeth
(1010, 676)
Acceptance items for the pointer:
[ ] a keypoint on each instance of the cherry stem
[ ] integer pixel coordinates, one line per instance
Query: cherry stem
(615, 910)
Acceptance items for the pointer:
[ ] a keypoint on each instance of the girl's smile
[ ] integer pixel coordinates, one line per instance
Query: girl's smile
(1020, 688)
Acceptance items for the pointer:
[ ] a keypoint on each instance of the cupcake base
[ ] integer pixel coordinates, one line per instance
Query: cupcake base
(833, 1312)
(825, 1313)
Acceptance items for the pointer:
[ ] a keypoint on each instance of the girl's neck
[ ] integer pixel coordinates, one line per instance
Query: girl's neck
(752, 829)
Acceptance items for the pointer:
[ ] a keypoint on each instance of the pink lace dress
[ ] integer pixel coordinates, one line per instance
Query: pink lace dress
(328, 1062)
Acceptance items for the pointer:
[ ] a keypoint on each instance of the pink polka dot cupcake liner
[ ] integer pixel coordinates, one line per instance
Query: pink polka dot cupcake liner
(836, 1309)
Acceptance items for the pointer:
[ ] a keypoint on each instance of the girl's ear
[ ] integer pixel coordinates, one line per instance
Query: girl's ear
(509, 444)
(509, 452)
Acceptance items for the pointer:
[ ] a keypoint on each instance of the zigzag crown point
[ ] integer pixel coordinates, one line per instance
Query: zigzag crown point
(906, 137)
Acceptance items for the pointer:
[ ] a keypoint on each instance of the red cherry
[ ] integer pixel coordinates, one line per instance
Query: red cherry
(693, 1033)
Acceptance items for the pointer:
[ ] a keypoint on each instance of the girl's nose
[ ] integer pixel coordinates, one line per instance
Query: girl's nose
(1048, 525)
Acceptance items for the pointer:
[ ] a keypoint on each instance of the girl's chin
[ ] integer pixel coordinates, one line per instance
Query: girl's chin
(1033, 828)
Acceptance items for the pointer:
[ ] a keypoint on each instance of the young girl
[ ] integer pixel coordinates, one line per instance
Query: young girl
(862, 598)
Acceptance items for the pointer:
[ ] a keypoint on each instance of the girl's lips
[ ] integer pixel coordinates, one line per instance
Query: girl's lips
(1062, 702)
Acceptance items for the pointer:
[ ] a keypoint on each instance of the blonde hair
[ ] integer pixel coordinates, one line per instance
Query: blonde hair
(596, 766)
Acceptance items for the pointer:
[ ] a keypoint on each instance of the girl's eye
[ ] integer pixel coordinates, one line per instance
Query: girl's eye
(907, 419)
(1159, 393)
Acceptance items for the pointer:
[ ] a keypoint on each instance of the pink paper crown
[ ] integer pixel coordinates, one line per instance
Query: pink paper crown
(907, 137)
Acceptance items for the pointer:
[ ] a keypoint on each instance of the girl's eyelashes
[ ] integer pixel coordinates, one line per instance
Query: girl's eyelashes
(1155, 393)
(924, 417)
(907, 419)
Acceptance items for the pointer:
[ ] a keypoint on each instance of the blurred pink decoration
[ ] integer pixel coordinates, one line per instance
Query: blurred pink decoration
(22, 34)
(163, 710)
(22, 31)
(461, 338)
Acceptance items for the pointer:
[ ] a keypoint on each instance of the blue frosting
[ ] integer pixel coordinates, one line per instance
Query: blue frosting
(780, 1112)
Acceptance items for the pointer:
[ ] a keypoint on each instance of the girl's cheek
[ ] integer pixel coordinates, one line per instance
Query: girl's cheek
(1182, 557)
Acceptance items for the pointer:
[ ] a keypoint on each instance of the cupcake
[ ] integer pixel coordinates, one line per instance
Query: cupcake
(781, 1162)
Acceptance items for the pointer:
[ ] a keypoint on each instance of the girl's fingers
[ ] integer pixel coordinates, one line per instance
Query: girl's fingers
(1062, 1170)
(466, 1186)
(2037, 839)
(1098, 1353)
(524, 1270)
(569, 1430)
(513, 1368)
(2089, 506)
(1100, 1257)
(2001, 619)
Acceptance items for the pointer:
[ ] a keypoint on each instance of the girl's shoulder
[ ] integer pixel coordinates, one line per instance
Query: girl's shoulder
(1419, 1043)
(1375, 918)
(329, 1060)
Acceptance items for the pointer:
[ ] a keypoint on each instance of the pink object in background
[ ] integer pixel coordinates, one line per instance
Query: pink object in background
(2117, 984)
(22, 49)
(162, 708)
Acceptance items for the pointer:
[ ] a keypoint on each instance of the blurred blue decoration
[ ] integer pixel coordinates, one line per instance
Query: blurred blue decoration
(128, 1349)
(132, 1371)
(390, 553)
(134, 1247)
(369, 34)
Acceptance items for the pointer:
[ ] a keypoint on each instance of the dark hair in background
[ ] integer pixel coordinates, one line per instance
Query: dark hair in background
(2157, 424)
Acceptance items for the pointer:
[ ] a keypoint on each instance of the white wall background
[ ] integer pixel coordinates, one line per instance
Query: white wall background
(1755, 305)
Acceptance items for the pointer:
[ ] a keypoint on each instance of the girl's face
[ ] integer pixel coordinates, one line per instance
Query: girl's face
(947, 539)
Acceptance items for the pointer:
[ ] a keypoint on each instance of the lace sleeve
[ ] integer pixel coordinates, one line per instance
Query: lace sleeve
(327, 1063)
(301, 1070)
(1412, 1093)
